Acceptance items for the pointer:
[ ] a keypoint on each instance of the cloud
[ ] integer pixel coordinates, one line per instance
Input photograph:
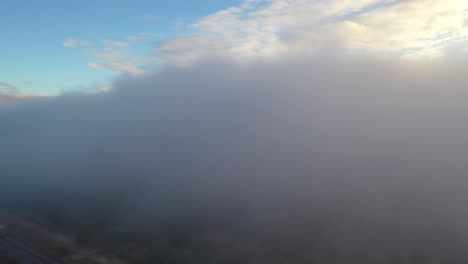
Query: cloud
(354, 147)
(271, 29)
(414, 28)
(117, 56)
(94, 65)
(375, 144)
(12, 94)
(73, 43)
(113, 55)
(116, 59)
(127, 67)
(417, 28)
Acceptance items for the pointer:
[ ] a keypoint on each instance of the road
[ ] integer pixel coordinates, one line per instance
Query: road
(22, 252)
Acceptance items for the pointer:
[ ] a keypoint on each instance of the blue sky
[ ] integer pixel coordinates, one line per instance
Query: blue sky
(35, 60)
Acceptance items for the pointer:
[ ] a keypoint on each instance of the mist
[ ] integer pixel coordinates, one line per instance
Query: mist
(346, 157)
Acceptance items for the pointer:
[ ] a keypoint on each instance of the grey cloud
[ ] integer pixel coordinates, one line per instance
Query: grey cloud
(377, 146)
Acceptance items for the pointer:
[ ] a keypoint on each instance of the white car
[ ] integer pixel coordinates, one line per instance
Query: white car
(3, 231)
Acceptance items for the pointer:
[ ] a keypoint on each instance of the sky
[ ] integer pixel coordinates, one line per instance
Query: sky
(53, 47)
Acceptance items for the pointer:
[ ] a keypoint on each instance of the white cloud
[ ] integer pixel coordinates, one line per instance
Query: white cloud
(73, 43)
(273, 28)
(116, 56)
(418, 28)
(112, 54)
(128, 67)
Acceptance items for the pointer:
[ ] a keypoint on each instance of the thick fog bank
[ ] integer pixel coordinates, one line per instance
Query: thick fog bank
(373, 149)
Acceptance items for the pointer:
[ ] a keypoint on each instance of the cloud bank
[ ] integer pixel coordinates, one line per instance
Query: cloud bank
(377, 146)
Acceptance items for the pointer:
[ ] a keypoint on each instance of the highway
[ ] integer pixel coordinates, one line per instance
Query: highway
(22, 252)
